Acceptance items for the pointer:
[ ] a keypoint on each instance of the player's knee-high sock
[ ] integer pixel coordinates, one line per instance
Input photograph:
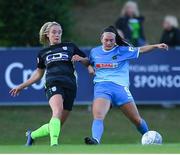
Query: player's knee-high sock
(40, 132)
(54, 130)
(143, 127)
(97, 129)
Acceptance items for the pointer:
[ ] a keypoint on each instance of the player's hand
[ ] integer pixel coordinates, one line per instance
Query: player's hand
(162, 46)
(91, 70)
(15, 91)
(76, 58)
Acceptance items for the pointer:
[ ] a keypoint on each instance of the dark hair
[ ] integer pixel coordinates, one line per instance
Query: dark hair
(119, 40)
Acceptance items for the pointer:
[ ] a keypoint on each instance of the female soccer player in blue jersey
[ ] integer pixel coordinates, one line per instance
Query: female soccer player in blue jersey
(57, 60)
(111, 81)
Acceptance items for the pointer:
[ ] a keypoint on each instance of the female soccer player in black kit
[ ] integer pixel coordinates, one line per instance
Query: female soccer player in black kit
(57, 60)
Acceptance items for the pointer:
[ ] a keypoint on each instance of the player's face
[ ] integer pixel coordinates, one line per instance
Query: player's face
(129, 11)
(54, 35)
(108, 40)
(167, 25)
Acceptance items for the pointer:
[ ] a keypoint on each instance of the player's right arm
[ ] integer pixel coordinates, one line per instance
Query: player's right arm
(148, 48)
(91, 64)
(36, 76)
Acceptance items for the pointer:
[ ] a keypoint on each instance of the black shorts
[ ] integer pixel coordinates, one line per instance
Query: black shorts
(67, 94)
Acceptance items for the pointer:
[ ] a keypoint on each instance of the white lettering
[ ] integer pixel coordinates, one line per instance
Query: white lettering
(8, 73)
(153, 81)
(149, 68)
(176, 81)
(40, 85)
(25, 75)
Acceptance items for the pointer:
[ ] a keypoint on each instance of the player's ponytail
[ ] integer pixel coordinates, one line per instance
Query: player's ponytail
(119, 40)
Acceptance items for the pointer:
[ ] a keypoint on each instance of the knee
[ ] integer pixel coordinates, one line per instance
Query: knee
(98, 115)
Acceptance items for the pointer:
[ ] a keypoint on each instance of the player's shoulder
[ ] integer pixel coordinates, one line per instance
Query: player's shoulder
(68, 43)
(96, 49)
(60, 45)
(127, 48)
(123, 47)
(43, 50)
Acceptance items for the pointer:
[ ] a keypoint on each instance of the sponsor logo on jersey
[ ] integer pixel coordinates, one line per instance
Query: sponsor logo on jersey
(106, 65)
(132, 49)
(57, 57)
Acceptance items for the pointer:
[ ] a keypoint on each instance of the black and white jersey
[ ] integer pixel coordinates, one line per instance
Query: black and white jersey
(56, 59)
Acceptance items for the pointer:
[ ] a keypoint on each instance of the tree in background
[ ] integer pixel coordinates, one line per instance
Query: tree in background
(20, 20)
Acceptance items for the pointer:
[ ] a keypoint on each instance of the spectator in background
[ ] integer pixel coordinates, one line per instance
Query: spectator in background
(171, 33)
(130, 24)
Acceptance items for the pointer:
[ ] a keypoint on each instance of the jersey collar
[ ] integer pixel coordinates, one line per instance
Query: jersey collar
(108, 50)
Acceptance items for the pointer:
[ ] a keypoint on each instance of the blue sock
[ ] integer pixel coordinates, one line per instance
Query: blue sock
(97, 129)
(143, 128)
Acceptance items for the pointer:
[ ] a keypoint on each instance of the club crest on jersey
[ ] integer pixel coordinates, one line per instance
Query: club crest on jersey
(53, 89)
(132, 49)
(114, 57)
(64, 48)
(106, 65)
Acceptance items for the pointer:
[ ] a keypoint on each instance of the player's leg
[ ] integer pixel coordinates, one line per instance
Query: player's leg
(40, 132)
(56, 104)
(100, 109)
(53, 127)
(69, 96)
(64, 116)
(124, 99)
(131, 111)
(101, 105)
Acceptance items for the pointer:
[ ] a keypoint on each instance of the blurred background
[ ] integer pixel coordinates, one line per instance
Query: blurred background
(155, 77)
(82, 20)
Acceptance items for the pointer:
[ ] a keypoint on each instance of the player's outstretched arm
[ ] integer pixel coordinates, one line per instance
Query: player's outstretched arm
(148, 48)
(37, 75)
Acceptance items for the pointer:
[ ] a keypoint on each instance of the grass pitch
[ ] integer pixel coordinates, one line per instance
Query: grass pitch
(120, 136)
(84, 149)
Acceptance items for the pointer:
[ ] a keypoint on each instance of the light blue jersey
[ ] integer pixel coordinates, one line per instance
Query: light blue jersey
(113, 65)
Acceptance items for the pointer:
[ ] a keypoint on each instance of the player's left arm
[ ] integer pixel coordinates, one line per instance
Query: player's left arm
(80, 56)
(148, 48)
(83, 60)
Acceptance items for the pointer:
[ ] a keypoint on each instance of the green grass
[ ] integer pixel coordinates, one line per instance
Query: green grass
(120, 136)
(104, 148)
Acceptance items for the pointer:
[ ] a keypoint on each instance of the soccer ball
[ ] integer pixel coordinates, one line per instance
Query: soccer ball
(151, 137)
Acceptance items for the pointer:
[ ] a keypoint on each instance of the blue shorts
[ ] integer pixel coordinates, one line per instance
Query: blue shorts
(117, 94)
